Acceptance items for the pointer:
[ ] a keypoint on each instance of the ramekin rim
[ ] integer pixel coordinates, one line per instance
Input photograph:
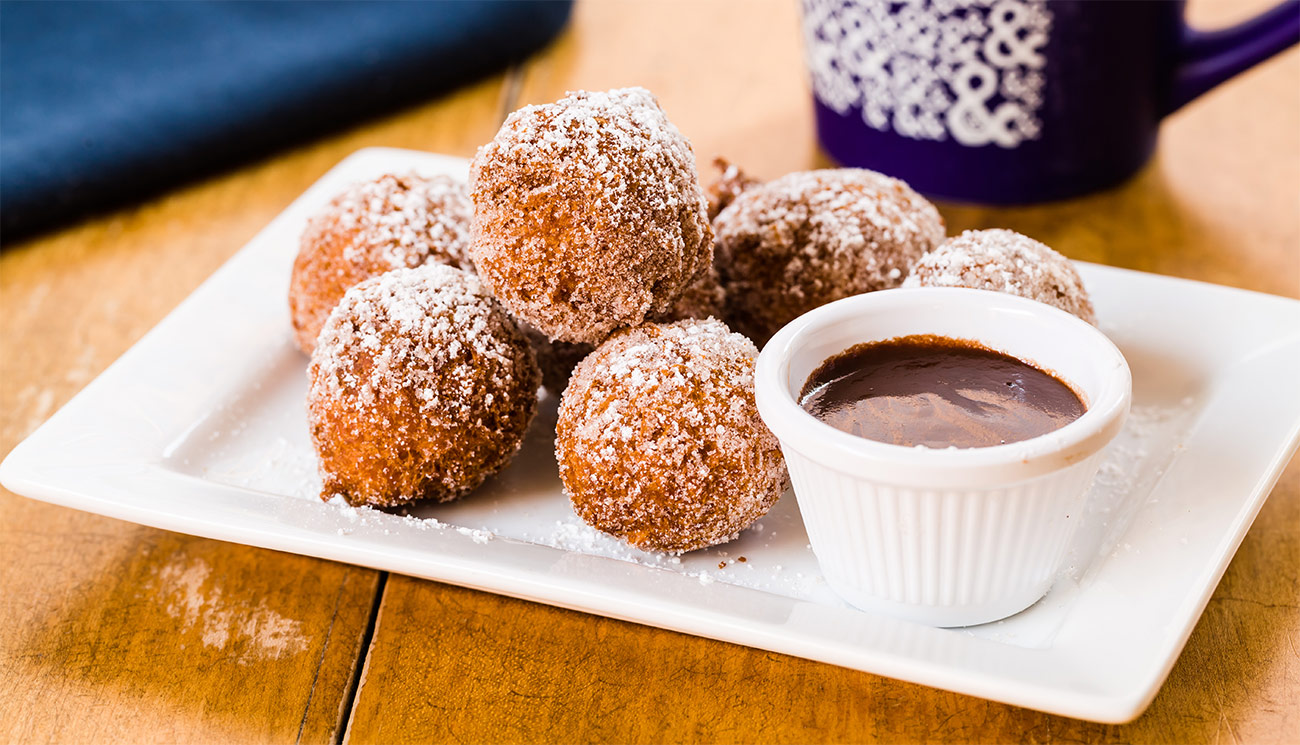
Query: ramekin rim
(795, 427)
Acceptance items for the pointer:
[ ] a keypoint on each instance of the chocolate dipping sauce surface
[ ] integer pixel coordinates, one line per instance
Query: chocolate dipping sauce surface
(937, 392)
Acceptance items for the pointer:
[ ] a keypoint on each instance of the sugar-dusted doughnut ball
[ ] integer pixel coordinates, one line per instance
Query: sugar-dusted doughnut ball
(659, 440)
(588, 215)
(807, 238)
(392, 222)
(1005, 261)
(420, 387)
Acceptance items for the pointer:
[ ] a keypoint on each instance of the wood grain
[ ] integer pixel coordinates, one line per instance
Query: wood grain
(112, 632)
(1218, 203)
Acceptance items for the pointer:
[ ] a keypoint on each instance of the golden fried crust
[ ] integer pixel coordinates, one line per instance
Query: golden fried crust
(808, 238)
(1005, 261)
(421, 386)
(659, 440)
(392, 222)
(588, 215)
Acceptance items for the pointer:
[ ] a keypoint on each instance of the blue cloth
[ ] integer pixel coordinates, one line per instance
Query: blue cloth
(102, 103)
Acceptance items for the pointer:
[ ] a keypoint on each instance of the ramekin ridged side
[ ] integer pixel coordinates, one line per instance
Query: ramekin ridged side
(946, 537)
(943, 557)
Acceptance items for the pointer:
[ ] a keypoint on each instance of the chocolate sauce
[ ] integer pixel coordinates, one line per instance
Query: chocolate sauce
(937, 392)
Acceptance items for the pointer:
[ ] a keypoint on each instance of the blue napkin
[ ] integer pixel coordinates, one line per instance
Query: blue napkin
(102, 103)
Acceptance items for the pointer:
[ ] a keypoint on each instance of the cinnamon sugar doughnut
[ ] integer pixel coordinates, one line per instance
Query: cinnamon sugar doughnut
(1005, 261)
(587, 214)
(374, 227)
(659, 440)
(807, 238)
(420, 387)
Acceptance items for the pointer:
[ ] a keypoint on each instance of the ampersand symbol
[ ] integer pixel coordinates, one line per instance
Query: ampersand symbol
(968, 120)
(1003, 46)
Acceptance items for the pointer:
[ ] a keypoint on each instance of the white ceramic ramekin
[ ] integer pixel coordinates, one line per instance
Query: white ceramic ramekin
(951, 537)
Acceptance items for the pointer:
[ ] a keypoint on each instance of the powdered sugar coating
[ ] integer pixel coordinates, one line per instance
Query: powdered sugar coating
(810, 237)
(392, 222)
(659, 440)
(587, 213)
(420, 387)
(1005, 261)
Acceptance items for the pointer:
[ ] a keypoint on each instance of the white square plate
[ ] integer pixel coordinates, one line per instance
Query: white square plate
(200, 428)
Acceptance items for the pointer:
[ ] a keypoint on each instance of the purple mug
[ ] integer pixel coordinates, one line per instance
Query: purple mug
(1015, 101)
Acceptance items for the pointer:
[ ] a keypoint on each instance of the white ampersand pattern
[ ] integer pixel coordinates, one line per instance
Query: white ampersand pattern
(971, 70)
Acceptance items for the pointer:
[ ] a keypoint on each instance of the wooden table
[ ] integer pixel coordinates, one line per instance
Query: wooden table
(113, 632)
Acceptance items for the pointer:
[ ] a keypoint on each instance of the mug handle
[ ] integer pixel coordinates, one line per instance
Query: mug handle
(1207, 58)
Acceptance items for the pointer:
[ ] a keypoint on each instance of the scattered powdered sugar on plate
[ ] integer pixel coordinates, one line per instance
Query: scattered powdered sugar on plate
(290, 468)
(478, 536)
(575, 535)
(745, 562)
(1133, 465)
